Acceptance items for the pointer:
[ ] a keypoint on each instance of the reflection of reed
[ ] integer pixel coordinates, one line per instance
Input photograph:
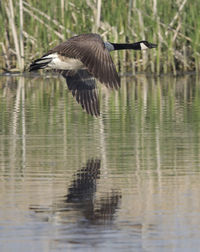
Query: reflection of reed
(146, 111)
(142, 102)
(16, 110)
(102, 143)
(20, 100)
(21, 82)
(162, 142)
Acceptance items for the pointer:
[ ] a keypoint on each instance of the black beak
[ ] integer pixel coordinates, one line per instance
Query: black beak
(151, 45)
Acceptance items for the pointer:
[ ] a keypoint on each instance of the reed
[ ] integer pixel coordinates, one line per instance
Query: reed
(10, 14)
(32, 27)
(21, 36)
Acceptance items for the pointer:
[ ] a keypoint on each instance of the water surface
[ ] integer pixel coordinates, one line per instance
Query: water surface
(127, 181)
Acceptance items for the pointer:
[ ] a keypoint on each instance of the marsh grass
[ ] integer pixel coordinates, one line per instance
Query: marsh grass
(36, 26)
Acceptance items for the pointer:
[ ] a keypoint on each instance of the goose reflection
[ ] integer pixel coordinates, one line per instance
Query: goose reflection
(82, 195)
(83, 187)
(81, 203)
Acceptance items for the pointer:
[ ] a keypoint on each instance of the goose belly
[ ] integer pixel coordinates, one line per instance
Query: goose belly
(64, 63)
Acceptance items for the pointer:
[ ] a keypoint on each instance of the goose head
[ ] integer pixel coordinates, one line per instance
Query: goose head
(144, 44)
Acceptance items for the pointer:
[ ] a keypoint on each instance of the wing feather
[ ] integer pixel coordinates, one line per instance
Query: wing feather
(90, 50)
(83, 87)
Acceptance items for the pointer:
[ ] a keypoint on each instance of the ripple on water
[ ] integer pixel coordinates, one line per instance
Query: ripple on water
(127, 181)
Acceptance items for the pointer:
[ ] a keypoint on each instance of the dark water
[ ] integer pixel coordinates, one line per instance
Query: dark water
(127, 181)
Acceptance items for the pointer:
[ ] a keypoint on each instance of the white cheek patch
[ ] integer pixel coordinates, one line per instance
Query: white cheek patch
(143, 46)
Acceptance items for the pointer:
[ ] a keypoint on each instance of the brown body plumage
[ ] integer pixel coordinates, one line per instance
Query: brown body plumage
(81, 59)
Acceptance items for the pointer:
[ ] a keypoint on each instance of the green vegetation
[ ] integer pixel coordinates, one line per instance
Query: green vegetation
(29, 28)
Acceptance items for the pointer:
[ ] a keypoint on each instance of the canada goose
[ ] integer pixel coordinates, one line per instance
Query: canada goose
(83, 58)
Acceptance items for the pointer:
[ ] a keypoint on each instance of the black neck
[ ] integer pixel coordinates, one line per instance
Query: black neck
(134, 46)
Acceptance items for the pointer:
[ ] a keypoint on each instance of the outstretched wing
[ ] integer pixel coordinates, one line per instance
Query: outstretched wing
(83, 87)
(91, 51)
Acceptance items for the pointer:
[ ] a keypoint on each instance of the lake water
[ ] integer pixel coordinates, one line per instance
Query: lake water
(126, 181)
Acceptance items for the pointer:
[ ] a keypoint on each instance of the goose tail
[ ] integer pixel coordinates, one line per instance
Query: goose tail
(40, 63)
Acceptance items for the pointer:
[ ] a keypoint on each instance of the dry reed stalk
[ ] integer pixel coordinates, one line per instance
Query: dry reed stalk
(10, 15)
(176, 31)
(96, 8)
(167, 27)
(5, 56)
(155, 8)
(98, 16)
(59, 35)
(93, 7)
(156, 17)
(129, 12)
(176, 16)
(62, 6)
(173, 62)
(180, 57)
(29, 37)
(161, 40)
(184, 58)
(54, 21)
(21, 38)
(142, 34)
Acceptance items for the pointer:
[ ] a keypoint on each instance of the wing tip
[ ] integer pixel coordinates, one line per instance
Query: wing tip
(113, 85)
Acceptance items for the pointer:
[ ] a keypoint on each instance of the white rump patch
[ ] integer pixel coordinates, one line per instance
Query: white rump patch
(63, 63)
